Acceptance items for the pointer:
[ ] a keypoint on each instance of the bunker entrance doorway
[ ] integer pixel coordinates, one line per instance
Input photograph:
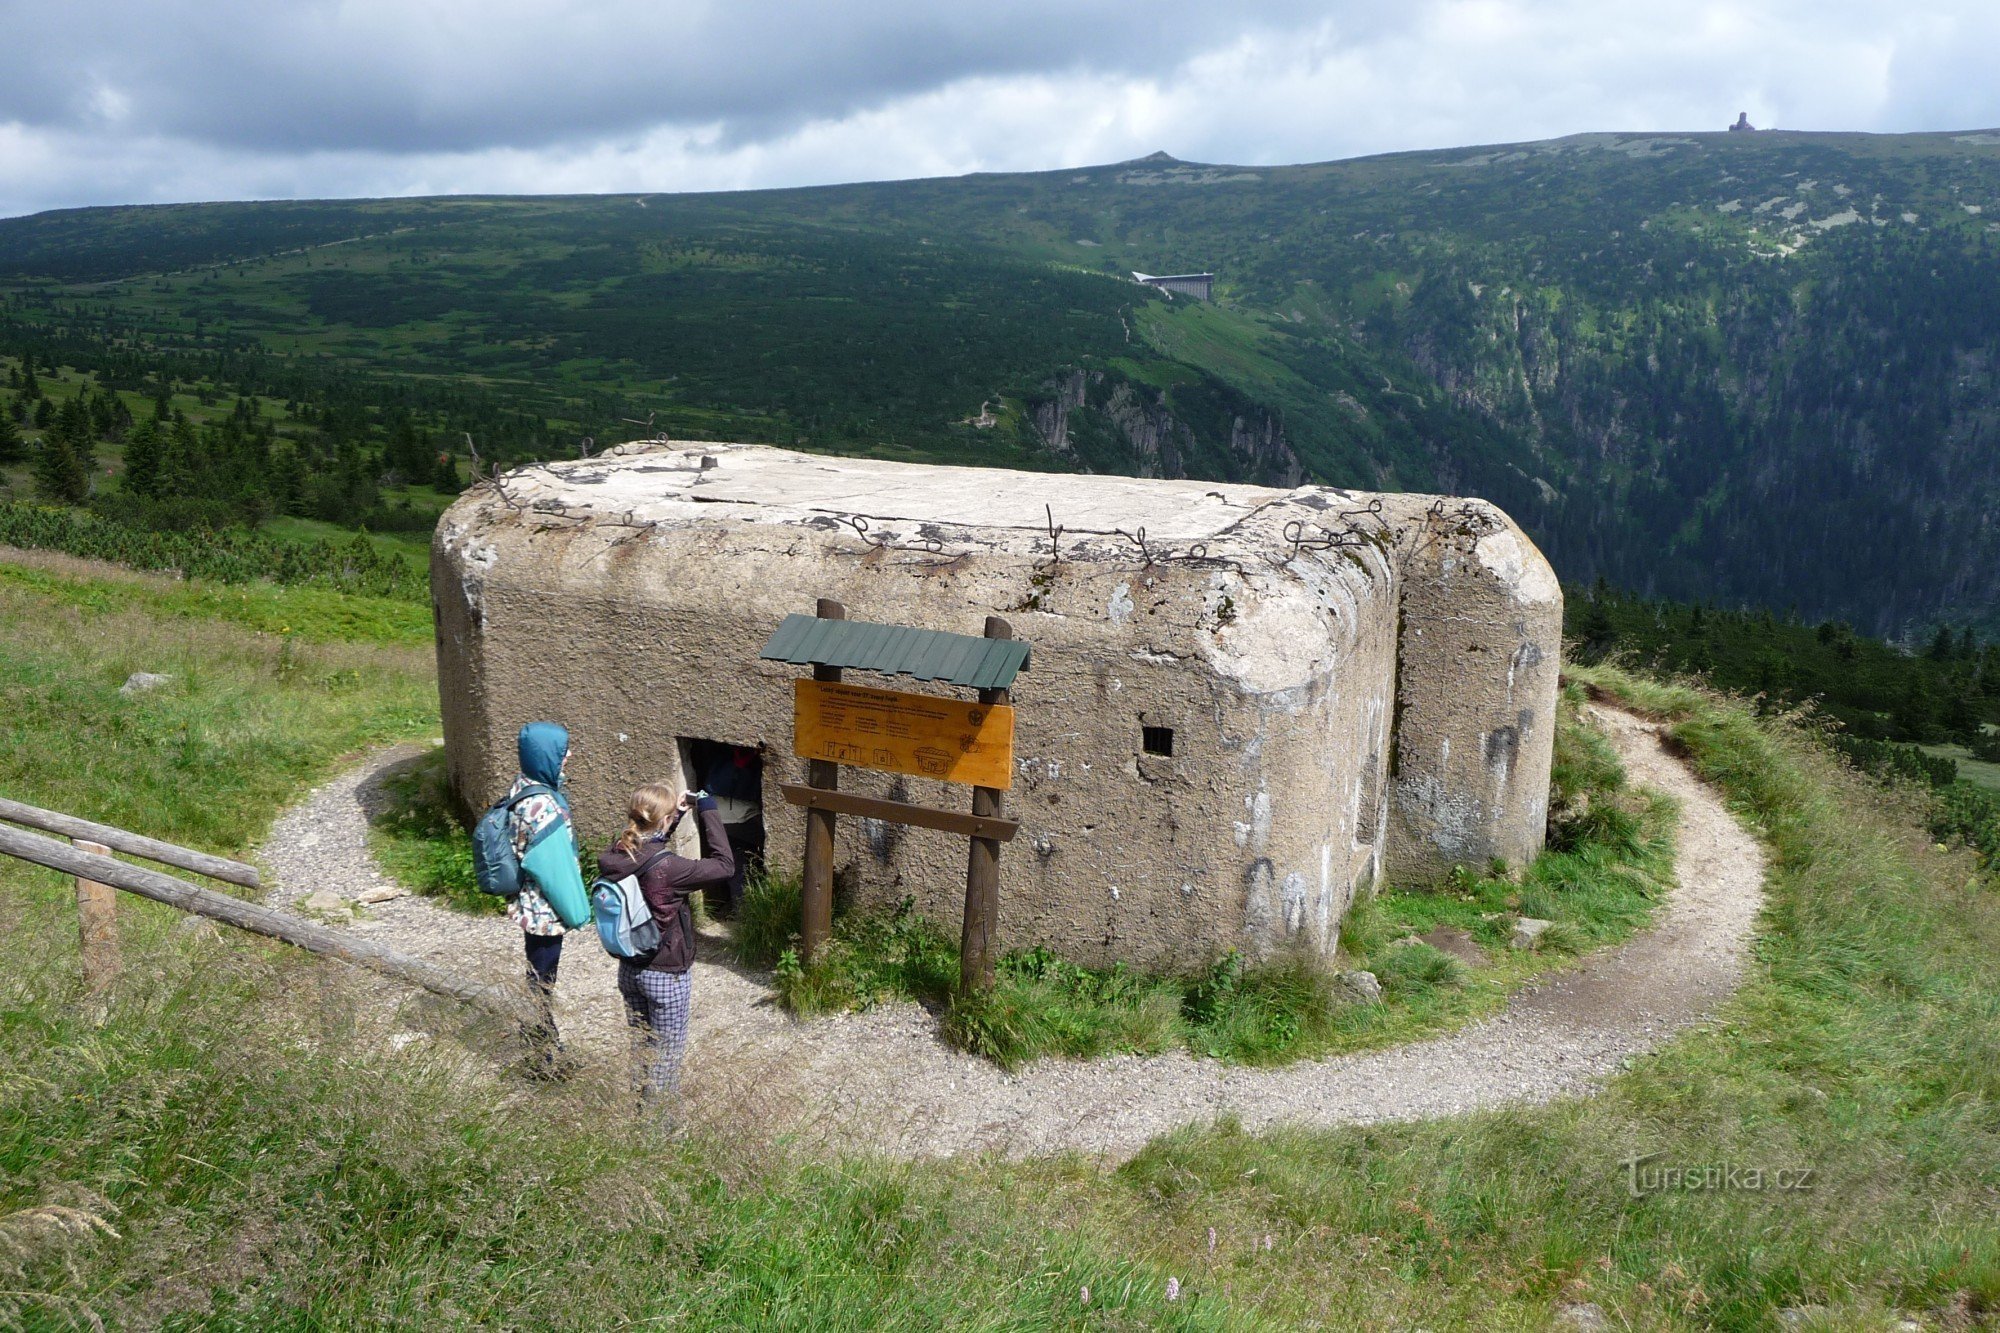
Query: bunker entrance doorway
(734, 776)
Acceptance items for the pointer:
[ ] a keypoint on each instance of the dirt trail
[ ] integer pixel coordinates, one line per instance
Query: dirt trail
(885, 1079)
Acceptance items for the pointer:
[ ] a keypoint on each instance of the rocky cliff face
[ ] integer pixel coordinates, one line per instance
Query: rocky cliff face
(1104, 422)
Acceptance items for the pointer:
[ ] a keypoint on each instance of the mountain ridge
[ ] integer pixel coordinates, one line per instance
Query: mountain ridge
(1747, 367)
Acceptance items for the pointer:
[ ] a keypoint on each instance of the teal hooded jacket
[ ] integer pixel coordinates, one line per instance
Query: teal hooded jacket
(551, 856)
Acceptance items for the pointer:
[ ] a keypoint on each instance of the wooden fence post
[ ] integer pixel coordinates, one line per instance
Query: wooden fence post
(816, 923)
(982, 870)
(96, 925)
(503, 998)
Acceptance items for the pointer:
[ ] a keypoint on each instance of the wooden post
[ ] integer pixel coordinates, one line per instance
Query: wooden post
(96, 925)
(816, 923)
(132, 844)
(982, 870)
(501, 998)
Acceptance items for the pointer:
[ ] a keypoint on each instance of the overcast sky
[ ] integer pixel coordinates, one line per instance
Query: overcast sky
(141, 101)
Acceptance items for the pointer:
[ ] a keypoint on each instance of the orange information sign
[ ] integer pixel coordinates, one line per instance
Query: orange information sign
(919, 734)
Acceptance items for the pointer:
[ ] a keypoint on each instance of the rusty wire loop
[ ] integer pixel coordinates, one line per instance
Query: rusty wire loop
(932, 547)
(472, 451)
(928, 546)
(1373, 509)
(1326, 539)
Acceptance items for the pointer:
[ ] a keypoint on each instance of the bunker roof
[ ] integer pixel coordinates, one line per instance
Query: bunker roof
(926, 516)
(649, 481)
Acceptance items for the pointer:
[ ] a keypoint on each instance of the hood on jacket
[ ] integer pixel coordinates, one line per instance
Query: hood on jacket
(542, 746)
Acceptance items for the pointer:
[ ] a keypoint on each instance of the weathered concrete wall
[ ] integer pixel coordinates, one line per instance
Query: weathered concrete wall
(628, 597)
(1476, 695)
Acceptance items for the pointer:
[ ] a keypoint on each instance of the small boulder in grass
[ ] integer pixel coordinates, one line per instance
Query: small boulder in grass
(327, 903)
(1358, 988)
(1528, 932)
(141, 681)
(1581, 1315)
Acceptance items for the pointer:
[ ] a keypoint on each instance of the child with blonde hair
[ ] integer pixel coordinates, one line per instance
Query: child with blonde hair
(656, 986)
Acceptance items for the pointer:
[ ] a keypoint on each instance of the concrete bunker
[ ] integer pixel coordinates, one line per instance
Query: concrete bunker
(1247, 705)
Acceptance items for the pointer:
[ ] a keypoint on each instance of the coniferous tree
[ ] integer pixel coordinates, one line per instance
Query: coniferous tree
(1961, 711)
(180, 465)
(1596, 629)
(288, 481)
(142, 459)
(60, 470)
(72, 422)
(1915, 712)
(11, 449)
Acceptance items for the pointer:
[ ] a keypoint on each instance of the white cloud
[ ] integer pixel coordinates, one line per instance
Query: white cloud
(143, 102)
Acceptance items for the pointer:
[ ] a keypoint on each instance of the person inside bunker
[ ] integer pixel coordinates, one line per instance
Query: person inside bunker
(552, 899)
(655, 986)
(733, 775)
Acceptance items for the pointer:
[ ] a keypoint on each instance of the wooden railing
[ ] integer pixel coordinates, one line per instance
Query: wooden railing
(97, 874)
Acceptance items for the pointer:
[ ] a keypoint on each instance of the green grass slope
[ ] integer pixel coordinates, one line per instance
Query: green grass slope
(224, 1143)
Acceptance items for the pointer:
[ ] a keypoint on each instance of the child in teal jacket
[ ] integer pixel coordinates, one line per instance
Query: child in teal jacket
(552, 899)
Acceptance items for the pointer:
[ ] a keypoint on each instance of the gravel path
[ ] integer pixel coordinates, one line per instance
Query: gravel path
(885, 1079)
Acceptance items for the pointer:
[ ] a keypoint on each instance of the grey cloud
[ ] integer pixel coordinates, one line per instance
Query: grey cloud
(105, 101)
(461, 76)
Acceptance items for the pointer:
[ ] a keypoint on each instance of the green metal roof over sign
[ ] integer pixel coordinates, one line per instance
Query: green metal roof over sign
(898, 650)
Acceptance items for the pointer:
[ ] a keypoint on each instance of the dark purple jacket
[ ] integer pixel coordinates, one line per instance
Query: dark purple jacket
(671, 883)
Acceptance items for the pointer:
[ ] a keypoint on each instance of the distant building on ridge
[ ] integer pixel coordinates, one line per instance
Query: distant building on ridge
(1742, 124)
(1197, 285)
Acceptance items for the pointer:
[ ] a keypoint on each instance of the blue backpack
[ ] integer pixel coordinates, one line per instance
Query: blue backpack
(494, 863)
(625, 924)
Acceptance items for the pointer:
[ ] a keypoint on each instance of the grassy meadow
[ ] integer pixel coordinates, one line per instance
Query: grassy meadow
(220, 1143)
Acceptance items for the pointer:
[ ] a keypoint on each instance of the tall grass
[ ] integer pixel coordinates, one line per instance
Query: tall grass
(1865, 1046)
(242, 724)
(221, 1140)
(306, 614)
(255, 1159)
(417, 839)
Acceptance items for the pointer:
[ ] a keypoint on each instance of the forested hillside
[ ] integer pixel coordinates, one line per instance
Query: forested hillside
(1756, 368)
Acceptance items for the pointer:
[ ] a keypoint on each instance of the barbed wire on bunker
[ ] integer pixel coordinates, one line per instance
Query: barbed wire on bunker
(1150, 553)
(1369, 525)
(1055, 542)
(1442, 519)
(1363, 526)
(932, 547)
(651, 436)
(551, 508)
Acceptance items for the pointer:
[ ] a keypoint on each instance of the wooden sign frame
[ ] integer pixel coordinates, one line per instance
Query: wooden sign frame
(904, 724)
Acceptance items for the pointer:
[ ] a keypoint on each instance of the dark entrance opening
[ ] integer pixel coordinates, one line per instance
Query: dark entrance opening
(734, 776)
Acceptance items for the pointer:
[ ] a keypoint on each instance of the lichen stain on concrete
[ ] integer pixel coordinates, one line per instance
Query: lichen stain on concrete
(1120, 607)
(638, 588)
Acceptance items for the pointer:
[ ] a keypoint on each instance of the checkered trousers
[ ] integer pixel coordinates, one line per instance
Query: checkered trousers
(656, 1008)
